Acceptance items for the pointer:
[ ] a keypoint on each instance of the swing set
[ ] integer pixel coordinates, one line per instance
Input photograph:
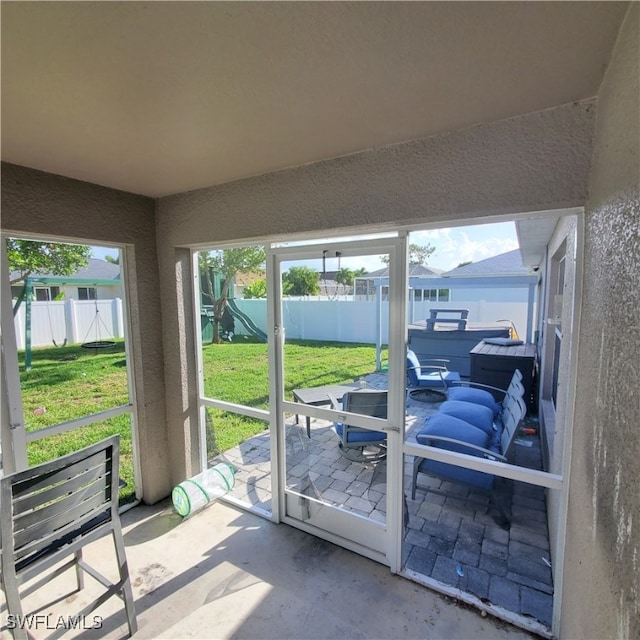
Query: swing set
(98, 335)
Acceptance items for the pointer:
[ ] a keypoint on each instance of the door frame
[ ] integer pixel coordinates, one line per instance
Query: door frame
(389, 536)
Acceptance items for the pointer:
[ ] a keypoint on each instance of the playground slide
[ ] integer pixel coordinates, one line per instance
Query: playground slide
(248, 323)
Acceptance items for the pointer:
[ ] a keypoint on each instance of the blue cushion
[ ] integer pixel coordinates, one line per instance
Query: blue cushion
(479, 396)
(476, 414)
(361, 436)
(470, 477)
(450, 427)
(441, 424)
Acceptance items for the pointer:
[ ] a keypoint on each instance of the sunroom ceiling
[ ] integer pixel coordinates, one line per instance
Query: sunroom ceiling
(162, 97)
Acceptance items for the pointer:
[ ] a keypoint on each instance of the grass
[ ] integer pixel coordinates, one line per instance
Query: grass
(71, 382)
(238, 372)
(68, 383)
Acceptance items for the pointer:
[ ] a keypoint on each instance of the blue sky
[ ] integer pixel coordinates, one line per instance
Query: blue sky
(453, 246)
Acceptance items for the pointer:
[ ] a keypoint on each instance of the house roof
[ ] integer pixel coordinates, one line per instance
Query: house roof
(509, 263)
(96, 269)
(415, 271)
(158, 98)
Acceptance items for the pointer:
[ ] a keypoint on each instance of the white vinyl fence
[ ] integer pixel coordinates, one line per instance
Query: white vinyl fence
(357, 321)
(307, 319)
(75, 321)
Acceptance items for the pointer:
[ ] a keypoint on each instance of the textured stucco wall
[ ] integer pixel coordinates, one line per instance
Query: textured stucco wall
(601, 598)
(42, 203)
(532, 162)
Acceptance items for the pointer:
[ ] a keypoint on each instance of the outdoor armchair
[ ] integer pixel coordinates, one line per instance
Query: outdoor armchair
(430, 374)
(356, 443)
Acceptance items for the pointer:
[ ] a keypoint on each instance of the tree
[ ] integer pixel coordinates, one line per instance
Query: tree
(346, 276)
(301, 281)
(112, 259)
(27, 257)
(418, 254)
(226, 263)
(257, 289)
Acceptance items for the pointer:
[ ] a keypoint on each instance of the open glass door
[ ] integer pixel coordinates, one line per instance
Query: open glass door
(340, 390)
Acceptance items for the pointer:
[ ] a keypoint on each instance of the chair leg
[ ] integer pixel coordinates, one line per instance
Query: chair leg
(14, 604)
(127, 591)
(79, 571)
(416, 463)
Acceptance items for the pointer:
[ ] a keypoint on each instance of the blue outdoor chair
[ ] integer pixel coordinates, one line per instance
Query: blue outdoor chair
(482, 435)
(477, 393)
(358, 444)
(431, 374)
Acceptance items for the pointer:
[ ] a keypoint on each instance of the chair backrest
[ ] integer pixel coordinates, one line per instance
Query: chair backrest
(413, 368)
(513, 412)
(47, 508)
(366, 402)
(516, 385)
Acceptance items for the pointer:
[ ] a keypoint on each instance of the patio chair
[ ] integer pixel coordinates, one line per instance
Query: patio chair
(429, 379)
(455, 434)
(50, 512)
(358, 444)
(478, 393)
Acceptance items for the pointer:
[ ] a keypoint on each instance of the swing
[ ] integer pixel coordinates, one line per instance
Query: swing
(55, 344)
(98, 343)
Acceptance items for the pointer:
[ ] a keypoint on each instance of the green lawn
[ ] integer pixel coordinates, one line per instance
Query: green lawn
(71, 382)
(238, 372)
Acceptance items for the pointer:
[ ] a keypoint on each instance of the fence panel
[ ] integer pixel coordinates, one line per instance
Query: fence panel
(356, 321)
(330, 320)
(76, 321)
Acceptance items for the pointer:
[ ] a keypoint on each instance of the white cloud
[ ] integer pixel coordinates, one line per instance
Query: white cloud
(467, 244)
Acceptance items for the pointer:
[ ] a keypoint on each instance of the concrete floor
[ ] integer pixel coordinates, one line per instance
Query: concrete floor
(225, 573)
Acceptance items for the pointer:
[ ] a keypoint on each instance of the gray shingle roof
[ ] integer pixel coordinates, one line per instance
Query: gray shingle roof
(503, 264)
(415, 271)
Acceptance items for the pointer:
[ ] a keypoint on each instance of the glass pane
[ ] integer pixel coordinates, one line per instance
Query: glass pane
(71, 351)
(60, 444)
(245, 444)
(233, 323)
(332, 358)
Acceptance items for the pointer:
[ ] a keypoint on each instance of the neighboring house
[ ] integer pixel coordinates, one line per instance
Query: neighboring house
(502, 268)
(423, 284)
(99, 280)
(242, 280)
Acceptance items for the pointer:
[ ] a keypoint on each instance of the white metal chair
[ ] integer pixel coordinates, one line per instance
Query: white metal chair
(51, 511)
